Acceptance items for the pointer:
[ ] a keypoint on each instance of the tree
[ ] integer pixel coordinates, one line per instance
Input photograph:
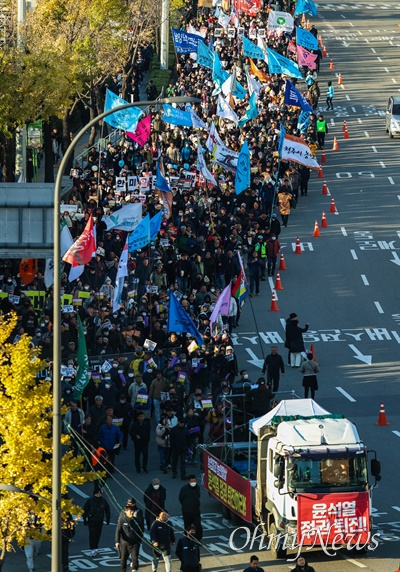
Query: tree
(26, 443)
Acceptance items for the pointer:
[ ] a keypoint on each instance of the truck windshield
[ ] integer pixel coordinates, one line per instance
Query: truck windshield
(307, 473)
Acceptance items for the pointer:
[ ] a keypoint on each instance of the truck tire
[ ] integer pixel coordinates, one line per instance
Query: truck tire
(277, 551)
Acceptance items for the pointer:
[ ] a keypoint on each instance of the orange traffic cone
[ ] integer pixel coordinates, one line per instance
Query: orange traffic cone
(324, 223)
(335, 145)
(340, 81)
(274, 303)
(282, 263)
(316, 232)
(320, 44)
(298, 246)
(344, 126)
(320, 173)
(324, 189)
(313, 352)
(333, 206)
(323, 157)
(278, 283)
(308, 25)
(331, 65)
(324, 53)
(346, 134)
(303, 19)
(382, 421)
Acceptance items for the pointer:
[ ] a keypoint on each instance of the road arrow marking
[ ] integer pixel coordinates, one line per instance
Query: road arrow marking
(257, 362)
(360, 356)
(396, 258)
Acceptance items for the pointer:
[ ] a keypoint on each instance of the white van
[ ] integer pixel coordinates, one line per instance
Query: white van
(393, 116)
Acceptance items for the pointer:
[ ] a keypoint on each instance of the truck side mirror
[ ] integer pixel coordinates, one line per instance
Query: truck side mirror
(278, 471)
(376, 469)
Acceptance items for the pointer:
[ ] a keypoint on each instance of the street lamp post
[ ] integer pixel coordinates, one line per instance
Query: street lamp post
(56, 460)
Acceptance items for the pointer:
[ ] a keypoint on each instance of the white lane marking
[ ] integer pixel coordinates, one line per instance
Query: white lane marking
(342, 86)
(348, 97)
(366, 134)
(364, 279)
(283, 322)
(359, 120)
(374, 149)
(354, 255)
(343, 231)
(379, 308)
(359, 32)
(78, 492)
(355, 562)
(393, 80)
(347, 395)
(344, 17)
(353, 109)
(391, 180)
(382, 164)
(366, 40)
(379, 59)
(332, 121)
(396, 433)
(386, 70)
(396, 508)
(272, 286)
(373, 51)
(352, 25)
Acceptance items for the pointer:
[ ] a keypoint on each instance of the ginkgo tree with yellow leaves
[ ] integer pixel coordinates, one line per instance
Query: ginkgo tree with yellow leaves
(26, 444)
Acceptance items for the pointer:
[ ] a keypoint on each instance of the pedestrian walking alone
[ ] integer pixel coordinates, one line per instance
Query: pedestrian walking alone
(322, 131)
(95, 511)
(309, 369)
(273, 367)
(330, 94)
(189, 497)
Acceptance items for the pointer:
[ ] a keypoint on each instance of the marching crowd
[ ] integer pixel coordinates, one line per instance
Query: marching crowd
(138, 367)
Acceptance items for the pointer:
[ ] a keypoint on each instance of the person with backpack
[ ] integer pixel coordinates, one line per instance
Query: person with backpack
(96, 509)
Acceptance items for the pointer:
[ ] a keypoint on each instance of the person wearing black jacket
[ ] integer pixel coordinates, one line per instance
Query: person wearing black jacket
(140, 435)
(188, 551)
(162, 537)
(129, 534)
(179, 440)
(94, 512)
(254, 567)
(154, 501)
(302, 566)
(273, 366)
(189, 497)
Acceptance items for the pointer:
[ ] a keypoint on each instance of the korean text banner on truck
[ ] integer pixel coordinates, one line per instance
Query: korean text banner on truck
(340, 516)
(227, 486)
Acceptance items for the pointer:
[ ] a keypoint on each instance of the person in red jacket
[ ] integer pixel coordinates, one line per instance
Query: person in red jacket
(273, 248)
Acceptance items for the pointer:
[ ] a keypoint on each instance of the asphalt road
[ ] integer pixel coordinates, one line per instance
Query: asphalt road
(345, 284)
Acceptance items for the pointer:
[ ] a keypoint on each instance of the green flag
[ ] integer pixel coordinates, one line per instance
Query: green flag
(82, 373)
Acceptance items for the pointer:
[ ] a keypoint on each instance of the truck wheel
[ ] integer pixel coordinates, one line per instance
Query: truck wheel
(277, 551)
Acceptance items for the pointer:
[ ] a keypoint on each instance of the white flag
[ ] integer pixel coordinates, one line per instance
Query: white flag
(196, 121)
(49, 272)
(225, 157)
(280, 21)
(224, 19)
(127, 218)
(202, 167)
(262, 46)
(225, 111)
(191, 30)
(75, 272)
(229, 85)
(296, 149)
(119, 280)
(65, 238)
(253, 85)
(213, 138)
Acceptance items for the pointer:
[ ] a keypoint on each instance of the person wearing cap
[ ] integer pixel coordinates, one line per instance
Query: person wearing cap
(129, 535)
(162, 537)
(95, 511)
(275, 226)
(188, 551)
(154, 500)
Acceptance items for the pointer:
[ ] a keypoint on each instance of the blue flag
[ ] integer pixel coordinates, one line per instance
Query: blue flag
(306, 39)
(211, 44)
(306, 7)
(252, 112)
(126, 119)
(294, 97)
(242, 179)
(204, 56)
(219, 74)
(184, 43)
(179, 321)
(250, 50)
(161, 181)
(140, 237)
(281, 140)
(281, 65)
(155, 225)
(303, 121)
(176, 116)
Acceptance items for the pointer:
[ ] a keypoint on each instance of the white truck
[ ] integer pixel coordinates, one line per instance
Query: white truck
(311, 482)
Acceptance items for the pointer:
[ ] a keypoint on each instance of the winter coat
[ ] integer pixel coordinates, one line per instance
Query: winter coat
(154, 500)
(163, 435)
(284, 203)
(109, 436)
(273, 248)
(189, 497)
(140, 429)
(163, 533)
(305, 568)
(130, 530)
(95, 510)
(188, 552)
(179, 439)
(309, 367)
(296, 343)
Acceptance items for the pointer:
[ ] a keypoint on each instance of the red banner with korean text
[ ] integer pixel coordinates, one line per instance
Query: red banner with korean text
(334, 517)
(249, 7)
(229, 487)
